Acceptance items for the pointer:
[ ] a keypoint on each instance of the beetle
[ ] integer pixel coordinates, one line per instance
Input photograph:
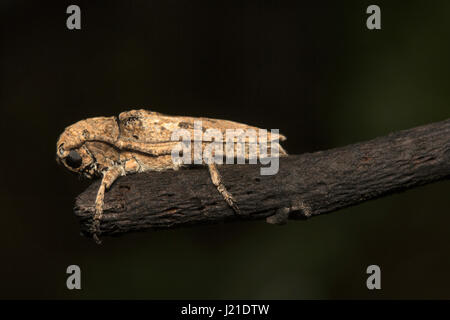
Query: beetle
(139, 141)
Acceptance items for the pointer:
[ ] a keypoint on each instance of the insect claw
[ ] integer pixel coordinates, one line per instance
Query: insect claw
(280, 217)
(96, 239)
(231, 202)
(228, 197)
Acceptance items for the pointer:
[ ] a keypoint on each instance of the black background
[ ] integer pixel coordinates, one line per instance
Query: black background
(311, 69)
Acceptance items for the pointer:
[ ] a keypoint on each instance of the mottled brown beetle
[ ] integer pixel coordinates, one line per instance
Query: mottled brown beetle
(136, 141)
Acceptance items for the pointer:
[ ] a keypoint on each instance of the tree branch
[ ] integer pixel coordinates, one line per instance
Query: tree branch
(307, 184)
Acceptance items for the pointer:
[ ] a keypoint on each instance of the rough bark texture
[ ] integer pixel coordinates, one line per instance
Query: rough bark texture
(318, 182)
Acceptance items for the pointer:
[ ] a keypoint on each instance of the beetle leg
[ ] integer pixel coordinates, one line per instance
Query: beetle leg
(108, 179)
(217, 181)
(281, 215)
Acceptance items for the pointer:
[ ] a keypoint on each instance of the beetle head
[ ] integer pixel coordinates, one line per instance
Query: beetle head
(78, 160)
(78, 146)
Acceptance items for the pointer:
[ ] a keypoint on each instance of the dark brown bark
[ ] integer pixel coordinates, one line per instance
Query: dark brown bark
(322, 182)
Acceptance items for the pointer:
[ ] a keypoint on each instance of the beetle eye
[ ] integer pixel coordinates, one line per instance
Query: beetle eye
(73, 159)
(61, 149)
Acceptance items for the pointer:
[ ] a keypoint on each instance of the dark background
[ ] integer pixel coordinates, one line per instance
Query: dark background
(312, 70)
